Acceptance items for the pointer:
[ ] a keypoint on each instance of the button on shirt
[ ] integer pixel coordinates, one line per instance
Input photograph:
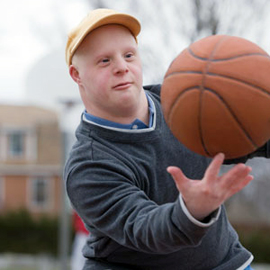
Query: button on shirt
(136, 124)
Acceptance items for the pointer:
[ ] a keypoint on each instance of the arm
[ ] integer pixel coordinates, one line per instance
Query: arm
(263, 151)
(205, 196)
(113, 206)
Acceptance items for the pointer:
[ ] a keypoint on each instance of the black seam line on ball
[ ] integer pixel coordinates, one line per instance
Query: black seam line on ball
(202, 90)
(226, 59)
(221, 76)
(227, 106)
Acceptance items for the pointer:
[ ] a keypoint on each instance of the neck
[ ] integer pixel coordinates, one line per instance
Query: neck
(126, 115)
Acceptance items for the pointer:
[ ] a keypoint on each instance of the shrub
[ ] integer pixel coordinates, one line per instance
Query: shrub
(257, 240)
(21, 233)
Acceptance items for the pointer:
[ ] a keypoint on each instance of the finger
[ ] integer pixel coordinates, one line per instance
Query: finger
(239, 186)
(236, 175)
(238, 178)
(178, 176)
(245, 181)
(213, 169)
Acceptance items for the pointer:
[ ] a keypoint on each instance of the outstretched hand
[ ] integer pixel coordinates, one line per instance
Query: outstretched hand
(202, 197)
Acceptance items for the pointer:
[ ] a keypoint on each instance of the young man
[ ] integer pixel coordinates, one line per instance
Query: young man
(135, 186)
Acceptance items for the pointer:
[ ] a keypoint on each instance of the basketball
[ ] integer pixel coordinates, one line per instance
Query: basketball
(215, 96)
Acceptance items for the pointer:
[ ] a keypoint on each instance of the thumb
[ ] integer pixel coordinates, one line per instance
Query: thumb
(179, 178)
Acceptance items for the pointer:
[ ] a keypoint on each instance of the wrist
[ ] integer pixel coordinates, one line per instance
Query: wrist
(206, 221)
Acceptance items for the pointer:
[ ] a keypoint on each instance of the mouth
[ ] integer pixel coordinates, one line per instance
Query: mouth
(123, 85)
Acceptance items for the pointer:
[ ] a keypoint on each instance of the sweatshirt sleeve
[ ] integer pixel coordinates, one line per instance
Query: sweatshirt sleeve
(210, 220)
(112, 203)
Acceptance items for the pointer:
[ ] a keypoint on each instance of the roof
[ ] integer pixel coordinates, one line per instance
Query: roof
(20, 115)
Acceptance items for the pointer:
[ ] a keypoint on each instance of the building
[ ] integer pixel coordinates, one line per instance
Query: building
(30, 160)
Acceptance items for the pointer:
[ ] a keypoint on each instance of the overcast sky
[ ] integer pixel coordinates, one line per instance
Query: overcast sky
(29, 31)
(32, 29)
(21, 44)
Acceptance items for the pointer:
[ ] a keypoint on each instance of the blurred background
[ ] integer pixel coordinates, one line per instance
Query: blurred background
(40, 108)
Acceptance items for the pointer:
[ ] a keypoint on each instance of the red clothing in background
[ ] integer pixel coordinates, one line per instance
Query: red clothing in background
(78, 224)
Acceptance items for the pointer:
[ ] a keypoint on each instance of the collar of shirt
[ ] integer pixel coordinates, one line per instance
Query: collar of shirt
(136, 124)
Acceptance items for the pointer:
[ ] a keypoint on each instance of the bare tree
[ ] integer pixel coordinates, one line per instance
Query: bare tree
(206, 18)
(168, 27)
(98, 3)
(210, 17)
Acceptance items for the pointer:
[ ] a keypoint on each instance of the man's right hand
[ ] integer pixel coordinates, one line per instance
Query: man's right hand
(202, 197)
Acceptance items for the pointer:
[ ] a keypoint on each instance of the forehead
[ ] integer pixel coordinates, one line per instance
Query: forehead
(106, 36)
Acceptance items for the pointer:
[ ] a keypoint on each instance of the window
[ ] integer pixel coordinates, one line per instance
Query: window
(40, 193)
(16, 142)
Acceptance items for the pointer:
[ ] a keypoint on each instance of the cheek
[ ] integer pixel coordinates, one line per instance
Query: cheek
(102, 80)
(97, 83)
(137, 71)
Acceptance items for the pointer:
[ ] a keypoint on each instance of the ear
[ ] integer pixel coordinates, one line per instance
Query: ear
(74, 73)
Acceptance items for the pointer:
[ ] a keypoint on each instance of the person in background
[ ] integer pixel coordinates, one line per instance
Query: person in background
(149, 202)
(80, 237)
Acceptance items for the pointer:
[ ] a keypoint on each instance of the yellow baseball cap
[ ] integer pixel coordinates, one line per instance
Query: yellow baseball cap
(95, 19)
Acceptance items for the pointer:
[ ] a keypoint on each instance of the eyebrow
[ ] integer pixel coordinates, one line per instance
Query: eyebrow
(110, 52)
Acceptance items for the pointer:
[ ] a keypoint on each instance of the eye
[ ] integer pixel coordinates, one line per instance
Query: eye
(129, 55)
(105, 60)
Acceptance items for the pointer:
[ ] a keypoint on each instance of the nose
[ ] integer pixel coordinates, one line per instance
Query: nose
(120, 66)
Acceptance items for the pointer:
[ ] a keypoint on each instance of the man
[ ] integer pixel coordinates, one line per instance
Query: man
(135, 186)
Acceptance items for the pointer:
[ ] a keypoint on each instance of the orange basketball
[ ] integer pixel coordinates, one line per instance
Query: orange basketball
(216, 96)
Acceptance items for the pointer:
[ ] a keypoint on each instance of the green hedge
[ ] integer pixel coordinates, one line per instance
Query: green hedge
(257, 240)
(20, 233)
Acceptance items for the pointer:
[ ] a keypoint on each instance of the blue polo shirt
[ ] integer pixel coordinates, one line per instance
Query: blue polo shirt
(136, 124)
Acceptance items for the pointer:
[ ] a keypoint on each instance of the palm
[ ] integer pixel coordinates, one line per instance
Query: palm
(204, 196)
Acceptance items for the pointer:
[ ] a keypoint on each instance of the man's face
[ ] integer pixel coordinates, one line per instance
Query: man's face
(109, 72)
